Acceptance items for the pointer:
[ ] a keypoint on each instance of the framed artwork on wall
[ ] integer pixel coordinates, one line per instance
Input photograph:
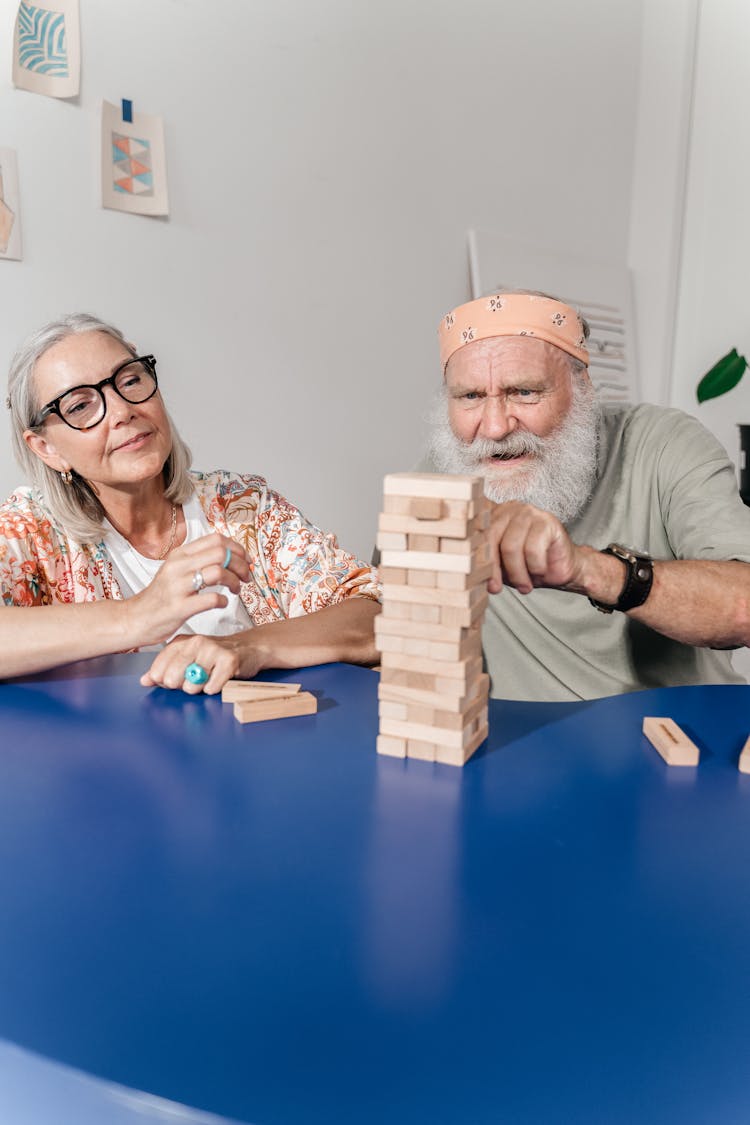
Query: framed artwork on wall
(10, 214)
(47, 48)
(134, 166)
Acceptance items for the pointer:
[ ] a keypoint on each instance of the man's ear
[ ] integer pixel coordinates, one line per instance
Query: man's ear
(45, 451)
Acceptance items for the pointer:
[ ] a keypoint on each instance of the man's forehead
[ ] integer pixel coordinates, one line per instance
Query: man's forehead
(507, 356)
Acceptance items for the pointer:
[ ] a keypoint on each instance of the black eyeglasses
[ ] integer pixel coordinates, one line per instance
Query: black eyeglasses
(83, 407)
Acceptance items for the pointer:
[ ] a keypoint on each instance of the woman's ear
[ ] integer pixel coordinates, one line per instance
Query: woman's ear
(45, 451)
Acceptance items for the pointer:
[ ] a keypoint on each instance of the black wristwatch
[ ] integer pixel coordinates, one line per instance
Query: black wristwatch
(638, 582)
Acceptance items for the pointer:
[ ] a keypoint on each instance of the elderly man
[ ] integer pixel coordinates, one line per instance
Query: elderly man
(621, 544)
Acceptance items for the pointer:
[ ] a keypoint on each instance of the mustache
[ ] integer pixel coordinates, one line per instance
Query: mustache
(517, 444)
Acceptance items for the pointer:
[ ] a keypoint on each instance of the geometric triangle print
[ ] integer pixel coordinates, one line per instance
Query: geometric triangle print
(137, 169)
(124, 185)
(122, 167)
(121, 143)
(141, 185)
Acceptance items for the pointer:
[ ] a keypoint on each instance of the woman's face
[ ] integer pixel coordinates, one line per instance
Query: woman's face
(131, 443)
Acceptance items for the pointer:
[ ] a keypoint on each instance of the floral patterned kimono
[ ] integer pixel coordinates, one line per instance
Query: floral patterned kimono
(296, 568)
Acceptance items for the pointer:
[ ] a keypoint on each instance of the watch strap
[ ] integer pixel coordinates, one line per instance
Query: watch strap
(638, 580)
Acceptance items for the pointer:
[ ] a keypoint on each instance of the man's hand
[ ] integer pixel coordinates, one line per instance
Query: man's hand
(531, 548)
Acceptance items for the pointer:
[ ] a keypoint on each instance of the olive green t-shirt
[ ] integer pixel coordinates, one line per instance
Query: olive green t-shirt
(665, 486)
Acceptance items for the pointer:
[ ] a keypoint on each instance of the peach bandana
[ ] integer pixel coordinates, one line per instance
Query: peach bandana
(513, 314)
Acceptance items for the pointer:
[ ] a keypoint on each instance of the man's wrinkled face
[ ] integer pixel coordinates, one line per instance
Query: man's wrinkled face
(519, 415)
(504, 388)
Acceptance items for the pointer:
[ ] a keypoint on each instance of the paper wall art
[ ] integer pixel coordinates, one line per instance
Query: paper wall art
(47, 48)
(10, 218)
(134, 167)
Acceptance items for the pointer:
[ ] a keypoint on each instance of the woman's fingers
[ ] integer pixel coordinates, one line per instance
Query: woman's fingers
(186, 660)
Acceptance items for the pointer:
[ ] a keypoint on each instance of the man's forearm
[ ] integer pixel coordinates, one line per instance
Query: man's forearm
(695, 601)
(340, 632)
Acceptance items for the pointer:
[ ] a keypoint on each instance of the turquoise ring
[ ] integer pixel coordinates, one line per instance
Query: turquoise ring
(196, 674)
(227, 558)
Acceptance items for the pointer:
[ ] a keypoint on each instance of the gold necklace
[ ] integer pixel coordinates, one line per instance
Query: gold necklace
(172, 534)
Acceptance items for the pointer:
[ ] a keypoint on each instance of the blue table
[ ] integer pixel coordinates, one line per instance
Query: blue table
(272, 923)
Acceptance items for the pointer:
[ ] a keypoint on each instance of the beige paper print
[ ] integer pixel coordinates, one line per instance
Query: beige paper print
(10, 219)
(134, 167)
(47, 48)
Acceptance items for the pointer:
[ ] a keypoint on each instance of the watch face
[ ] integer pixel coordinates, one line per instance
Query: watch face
(637, 552)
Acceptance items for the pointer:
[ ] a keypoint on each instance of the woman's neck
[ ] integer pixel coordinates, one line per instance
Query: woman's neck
(151, 523)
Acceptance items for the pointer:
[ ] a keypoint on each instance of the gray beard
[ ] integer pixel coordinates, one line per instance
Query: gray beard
(560, 476)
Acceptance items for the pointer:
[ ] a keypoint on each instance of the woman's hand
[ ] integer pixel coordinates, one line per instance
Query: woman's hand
(172, 597)
(224, 658)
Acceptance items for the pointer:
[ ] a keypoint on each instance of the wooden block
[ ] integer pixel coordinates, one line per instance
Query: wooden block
(744, 762)
(392, 575)
(460, 546)
(462, 599)
(251, 711)
(398, 611)
(441, 486)
(388, 709)
(426, 508)
(391, 541)
(236, 690)
(671, 742)
(452, 616)
(473, 713)
(385, 642)
(416, 646)
(434, 736)
(397, 506)
(416, 690)
(429, 630)
(449, 756)
(436, 560)
(425, 613)
(422, 542)
(392, 747)
(448, 580)
(458, 527)
(427, 579)
(446, 672)
(422, 751)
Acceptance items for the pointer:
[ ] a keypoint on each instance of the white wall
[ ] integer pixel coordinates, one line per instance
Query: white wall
(326, 158)
(713, 289)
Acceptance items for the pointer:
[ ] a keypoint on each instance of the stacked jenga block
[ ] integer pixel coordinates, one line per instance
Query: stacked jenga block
(434, 568)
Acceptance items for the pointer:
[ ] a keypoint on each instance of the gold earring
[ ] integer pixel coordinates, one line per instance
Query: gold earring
(66, 476)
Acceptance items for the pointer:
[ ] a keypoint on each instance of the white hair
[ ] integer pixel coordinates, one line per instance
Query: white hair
(75, 506)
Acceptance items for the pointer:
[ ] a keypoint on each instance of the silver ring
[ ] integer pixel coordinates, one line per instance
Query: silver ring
(198, 582)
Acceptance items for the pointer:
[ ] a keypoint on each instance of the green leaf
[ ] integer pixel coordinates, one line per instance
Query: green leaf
(722, 377)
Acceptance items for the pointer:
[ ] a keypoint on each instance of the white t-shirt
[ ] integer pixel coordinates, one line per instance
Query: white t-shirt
(134, 572)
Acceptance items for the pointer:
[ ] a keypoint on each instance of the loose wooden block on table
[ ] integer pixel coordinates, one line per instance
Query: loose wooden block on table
(236, 690)
(438, 486)
(256, 711)
(744, 762)
(670, 741)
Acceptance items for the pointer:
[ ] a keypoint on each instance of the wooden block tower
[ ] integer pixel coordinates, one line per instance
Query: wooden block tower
(434, 568)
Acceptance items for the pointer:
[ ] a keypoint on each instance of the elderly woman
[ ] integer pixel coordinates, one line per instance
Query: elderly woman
(119, 546)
